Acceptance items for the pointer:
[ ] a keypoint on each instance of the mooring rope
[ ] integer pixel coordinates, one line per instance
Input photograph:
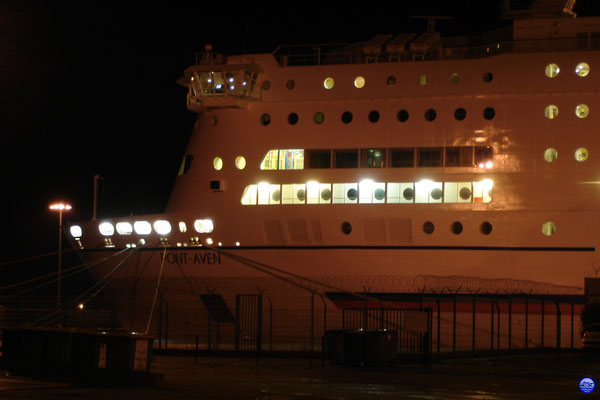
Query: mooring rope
(156, 291)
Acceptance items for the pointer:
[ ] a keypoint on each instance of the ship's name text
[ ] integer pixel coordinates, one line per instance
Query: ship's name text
(207, 257)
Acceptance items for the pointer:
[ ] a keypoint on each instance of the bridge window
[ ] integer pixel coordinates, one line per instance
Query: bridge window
(291, 159)
(372, 158)
(249, 196)
(318, 158)
(186, 164)
(402, 158)
(429, 157)
(484, 156)
(346, 158)
(269, 161)
(459, 156)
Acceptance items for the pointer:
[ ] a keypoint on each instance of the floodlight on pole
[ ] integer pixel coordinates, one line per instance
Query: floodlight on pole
(60, 207)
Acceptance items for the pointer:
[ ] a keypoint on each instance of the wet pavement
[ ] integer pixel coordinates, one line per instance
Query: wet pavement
(537, 376)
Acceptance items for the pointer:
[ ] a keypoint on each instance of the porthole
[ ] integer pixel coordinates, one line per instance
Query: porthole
(402, 115)
(550, 155)
(359, 82)
(301, 195)
(430, 114)
(240, 162)
(581, 154)
(218, 163)
(276, 196)
(319, 117)
(265, 119)
(352, 194)
(328, 83)
(460, 114)
(347, 117)
(582, 111)
(489, 113)
(428, 227)
(408, 194)
(551, 111)
(456, 228)
(488, 77)
(266, 85)
(326, 194)
(290, 84)
(374, 116)
(293, 118)
(454, 78)
(391, 80)
(422, 80)
(485, 228)
(465, 193)
(548, 228)
(346, 228)
(379, 194)
(552, 70)
(582, 69)
(436, 194)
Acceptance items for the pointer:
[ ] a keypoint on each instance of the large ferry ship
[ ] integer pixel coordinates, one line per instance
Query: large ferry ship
(409, 163)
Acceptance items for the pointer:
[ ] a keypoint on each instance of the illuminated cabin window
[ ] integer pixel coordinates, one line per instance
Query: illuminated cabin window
(106, 229)
(454, 78)
(548, 228)
(124, 228)
(581, 154)
(552, 70)
(328, 83)
(369, 192)
(582, 111)
(182, 227)
(223, 83)
(427, 191)
(429, 157)
(550, 155)
(291, 159)
(204, 225)
(551, 111)
(345, 158)
(402, 158)
(582, 69)
(359, 82)
(422, 80)
(270, 160)
(186, 164)
(240, 162)
(218, 163)
(459, 156)
(76, 231)
(319, 118)
(142, 227)
(372, 158)
(402, 116)
(162, 227)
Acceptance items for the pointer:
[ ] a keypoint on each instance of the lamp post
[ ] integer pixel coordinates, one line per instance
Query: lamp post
(60, 207)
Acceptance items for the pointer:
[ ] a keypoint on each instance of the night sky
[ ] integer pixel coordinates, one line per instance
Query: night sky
(89, 87)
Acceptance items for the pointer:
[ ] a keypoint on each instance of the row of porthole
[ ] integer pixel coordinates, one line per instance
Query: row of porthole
(582, 69)
(373, 116)
(581, 154)
(581, 111)
(485, 228)
(240, 163)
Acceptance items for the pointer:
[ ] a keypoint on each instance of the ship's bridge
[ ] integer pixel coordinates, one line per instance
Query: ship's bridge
(216, 84)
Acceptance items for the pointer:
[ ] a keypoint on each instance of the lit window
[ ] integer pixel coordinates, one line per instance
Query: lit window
(291, 159)
(263, 193)
(182, 227)
(209, 241)
(550, 155)
(124, 228)
(240, 162)
(142, 227)
(454, 78)
(371, 192)
(484, 156)
(274, 194)
(345, 193)
(269, 161)
(312, 192)
(482, 191)
(427, 191)
(249, 196)
(299, 193)
(582, 111)
(328, 83)
(76, 231)
(287, 194)
(422, 80)
(325, 193)
(581, 154)
(458, 192)
(106, 229)
(204, 225)
(551, 111)
(548, 228)
(552, 70)
(582, 69)
(359, 82)
(218, 163)
(162, 227)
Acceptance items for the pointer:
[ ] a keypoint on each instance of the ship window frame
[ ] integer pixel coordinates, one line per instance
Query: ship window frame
(345, 158)
(399, 157)
(426, 157)
(373, 162)
(319, 164)
(403, 115)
